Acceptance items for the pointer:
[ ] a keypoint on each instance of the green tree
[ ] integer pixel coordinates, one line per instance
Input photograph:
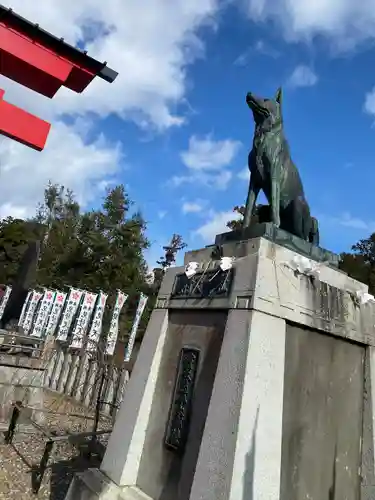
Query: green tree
(61, 218)
(168, 259)
(100, 249)
(236, 224)
(260, 214)
(171, 250)
(14, 237)
(360, 265)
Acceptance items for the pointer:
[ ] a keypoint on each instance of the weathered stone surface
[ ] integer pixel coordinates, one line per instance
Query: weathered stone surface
(280, 237)
(322, 416)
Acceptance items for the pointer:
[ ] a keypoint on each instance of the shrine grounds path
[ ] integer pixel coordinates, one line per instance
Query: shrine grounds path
(19, 461)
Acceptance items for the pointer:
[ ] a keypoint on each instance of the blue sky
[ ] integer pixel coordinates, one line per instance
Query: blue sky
(179, 136)
(329, 132)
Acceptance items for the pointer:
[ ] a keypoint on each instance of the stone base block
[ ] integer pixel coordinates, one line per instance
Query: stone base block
(94, 485)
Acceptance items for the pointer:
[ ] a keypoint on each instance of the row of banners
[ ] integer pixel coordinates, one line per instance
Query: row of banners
(78, 313)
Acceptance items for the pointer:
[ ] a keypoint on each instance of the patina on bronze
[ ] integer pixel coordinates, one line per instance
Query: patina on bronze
(273, 171)
(182, 400)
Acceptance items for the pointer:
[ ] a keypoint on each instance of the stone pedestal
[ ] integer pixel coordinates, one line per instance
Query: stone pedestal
(253, 383)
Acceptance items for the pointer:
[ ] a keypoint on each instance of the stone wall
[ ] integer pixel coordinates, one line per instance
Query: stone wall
(21, 379)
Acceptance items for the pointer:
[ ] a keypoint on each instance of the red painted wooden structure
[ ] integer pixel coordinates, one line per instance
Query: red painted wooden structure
(38, 60)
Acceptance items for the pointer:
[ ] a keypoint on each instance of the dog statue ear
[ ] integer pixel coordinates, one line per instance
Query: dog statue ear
(278, 95)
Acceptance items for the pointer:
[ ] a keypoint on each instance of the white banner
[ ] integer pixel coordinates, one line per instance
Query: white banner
(141, 307)
(80, 328)
(56, 311)
(24, 308)
(96, 326)
(4, 300)
(71, 308)
(29, 317)
(113, 327)
(43, 313)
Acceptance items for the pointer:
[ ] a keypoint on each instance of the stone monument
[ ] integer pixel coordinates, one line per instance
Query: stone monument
(23, 281)
(21, 361)
(255, 379)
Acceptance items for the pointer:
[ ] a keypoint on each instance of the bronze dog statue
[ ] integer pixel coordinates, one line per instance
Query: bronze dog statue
(273, 171)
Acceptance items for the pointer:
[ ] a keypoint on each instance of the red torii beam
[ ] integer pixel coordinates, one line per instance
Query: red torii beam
(44, 63)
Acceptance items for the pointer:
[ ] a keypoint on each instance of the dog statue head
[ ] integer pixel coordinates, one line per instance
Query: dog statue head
(266, 112)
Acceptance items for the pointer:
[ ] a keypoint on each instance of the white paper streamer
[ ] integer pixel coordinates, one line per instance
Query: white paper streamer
(56, 311)
(191, 268)
(141, 307)
(43, 313)
(29, 318)
(24, 308)
(72, 305)
(80, 328)
(226, 263)
(113, 328)
(364, 297)
(303, 265)
(97, 321)
(7, 292)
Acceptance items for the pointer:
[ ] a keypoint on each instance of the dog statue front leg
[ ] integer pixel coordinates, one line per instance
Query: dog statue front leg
(250, 203)
(275, 200)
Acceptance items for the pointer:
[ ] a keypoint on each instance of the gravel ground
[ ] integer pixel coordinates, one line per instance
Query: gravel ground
(20, 460)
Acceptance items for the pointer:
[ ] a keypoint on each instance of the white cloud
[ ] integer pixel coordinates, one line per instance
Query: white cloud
(244, 174)
(343, 22)
(192, 207)
(67, 160)
(214, 180)
(151, 60)
(216, 224)
(260, 47)
(302, 76)
(152, 63)
(10, 210)
(347, 220)
(369, 105)
(207, 154)
(162, 214)
(243, 58)
(207, 160)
